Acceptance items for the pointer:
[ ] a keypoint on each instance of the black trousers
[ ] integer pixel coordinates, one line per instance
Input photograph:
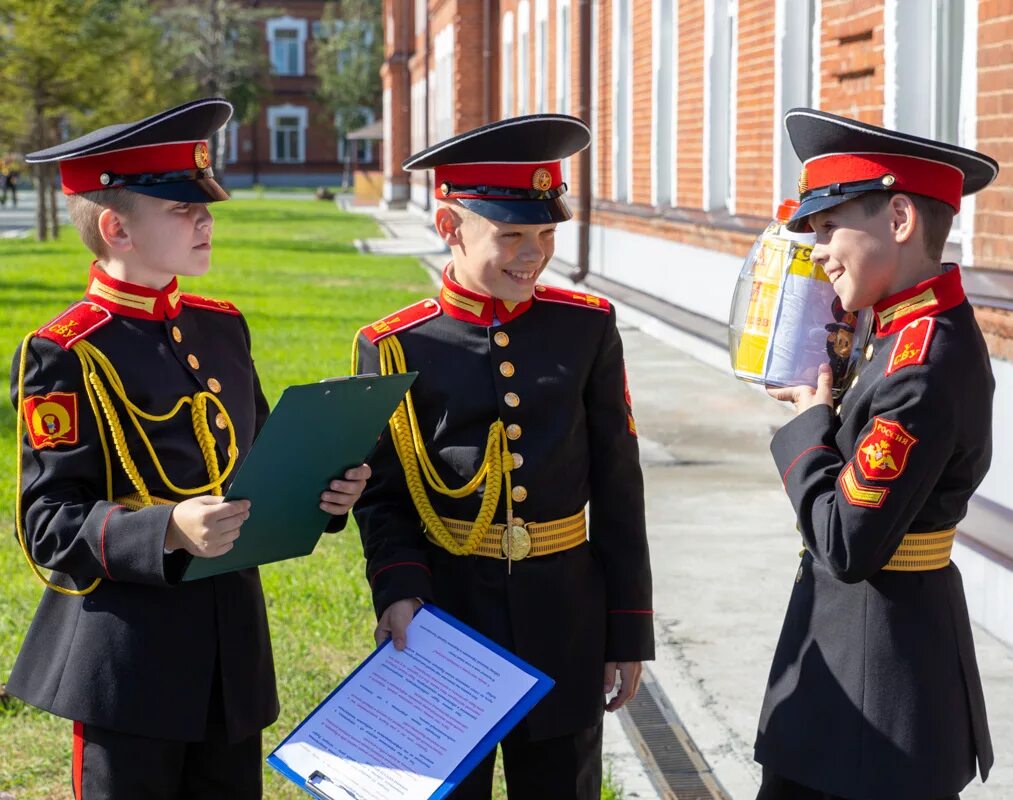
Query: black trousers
(563, 768)
(774, 787)
(108, 765)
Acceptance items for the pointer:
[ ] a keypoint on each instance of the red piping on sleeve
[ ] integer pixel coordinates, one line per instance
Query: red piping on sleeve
(102, 541)
(399, 564)
(791, 466)
(77, 766)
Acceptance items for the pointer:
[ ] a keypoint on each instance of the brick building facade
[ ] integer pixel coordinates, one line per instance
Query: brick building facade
(293, 141)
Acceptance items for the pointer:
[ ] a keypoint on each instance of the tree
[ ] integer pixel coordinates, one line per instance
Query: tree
(219, 47)
(73, 65)
(347, 56)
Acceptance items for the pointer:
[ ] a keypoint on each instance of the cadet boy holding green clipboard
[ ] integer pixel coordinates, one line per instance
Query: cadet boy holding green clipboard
(136, 404)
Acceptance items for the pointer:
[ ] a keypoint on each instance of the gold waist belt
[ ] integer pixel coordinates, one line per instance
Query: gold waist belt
(526, 539)
(920, 552)
(135, 503)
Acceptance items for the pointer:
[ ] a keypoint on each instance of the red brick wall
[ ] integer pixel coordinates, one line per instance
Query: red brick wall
(690, 99)
(754, 141)
(642, 100)
(603, 135)
(851, 73)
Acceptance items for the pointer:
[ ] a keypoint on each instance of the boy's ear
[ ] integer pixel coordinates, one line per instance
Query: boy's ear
(113, 231)
(448, 225)
(903, 217)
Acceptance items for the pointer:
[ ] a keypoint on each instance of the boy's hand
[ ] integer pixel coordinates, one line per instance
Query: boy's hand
(343, 494)
(206, 526)
(629, 682)
(805, 397)
(394, 621)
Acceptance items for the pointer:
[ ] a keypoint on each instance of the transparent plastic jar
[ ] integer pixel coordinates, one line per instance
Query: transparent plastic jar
(786, 320)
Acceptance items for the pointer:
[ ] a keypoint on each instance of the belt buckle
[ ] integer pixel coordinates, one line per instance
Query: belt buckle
(516, 543)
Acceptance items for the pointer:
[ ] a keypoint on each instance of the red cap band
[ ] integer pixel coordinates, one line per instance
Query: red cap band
(536, 177)
(84, 174)
(923, 176)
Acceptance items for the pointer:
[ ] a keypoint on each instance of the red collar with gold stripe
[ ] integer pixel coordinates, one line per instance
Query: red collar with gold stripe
(924, 299)
(476, 308)
(131, 300)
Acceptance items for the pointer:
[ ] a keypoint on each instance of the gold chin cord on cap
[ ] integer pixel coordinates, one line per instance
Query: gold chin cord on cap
(419, 470)
(93, 361)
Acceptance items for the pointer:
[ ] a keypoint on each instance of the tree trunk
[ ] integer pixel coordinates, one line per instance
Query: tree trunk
(54, 213)
(41, 220)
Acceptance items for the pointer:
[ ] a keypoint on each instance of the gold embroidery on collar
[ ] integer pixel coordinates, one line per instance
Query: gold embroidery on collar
(122, 298)
(919, 302)
(476, 307)
(174, 298)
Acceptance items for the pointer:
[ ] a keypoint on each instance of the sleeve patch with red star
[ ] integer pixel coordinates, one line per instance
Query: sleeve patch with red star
(402, 320)
(554, 294)
(912, 345)
(74, 324)
(209, 304)
(51, 419)
(883, 454)
(858, 494)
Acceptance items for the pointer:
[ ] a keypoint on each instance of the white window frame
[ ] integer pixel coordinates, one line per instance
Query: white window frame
(720, 104)
(564, 58)
(421, 12)
(507, 62)
(795, 71)
(302, 114)
(622, 93)
(659, 125)
(288, 24)
(523, 57)
(443, 99)
(595, 100)
(911, 103)
(541, 38)
(388, 133)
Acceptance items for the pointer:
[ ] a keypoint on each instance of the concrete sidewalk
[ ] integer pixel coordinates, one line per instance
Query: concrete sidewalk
(724, 547)
(20, 221)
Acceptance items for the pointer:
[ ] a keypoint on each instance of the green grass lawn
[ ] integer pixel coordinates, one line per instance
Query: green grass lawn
(291, 267)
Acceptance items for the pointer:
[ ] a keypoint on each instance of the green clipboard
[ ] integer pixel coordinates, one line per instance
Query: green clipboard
(315, 433)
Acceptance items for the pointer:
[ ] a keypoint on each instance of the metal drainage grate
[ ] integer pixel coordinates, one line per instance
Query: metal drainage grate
(676, 768)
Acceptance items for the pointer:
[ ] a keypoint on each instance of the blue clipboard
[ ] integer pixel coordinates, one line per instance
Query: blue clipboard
(316, 784)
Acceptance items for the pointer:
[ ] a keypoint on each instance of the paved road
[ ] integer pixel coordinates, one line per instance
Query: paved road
(20, 220)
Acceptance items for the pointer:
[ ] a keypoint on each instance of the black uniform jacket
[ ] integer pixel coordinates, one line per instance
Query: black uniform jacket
(874, 691)
(572, 433)
(139, 654)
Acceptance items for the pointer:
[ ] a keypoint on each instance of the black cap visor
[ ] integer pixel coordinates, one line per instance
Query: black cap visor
(203, 190)
(520, 212)
(799, 222)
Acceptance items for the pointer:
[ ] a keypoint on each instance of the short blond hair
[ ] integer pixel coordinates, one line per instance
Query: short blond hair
(84, 210)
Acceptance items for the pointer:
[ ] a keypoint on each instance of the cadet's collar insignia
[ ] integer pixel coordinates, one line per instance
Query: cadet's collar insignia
(924, 299)
(912, 345)
(402, 320)
(883, 454)
(208, 304)
(554, 294)
(74, 324)
(474, 307)
(132, 300)
(51, 419)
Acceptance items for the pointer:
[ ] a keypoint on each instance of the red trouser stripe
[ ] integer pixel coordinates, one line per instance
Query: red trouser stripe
(78, 763)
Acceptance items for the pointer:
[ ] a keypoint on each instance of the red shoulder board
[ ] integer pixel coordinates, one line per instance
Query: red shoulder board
(74, 324)
(402, 320)
(208, 304)
(912, 345)
(571, 298)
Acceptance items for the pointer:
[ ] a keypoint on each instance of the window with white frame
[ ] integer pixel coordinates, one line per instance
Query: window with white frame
(286, 37)
(388, 135)
(720, 78)
(287, 125)
(622, 93)
(541, 56)
(797, 34)
(443, 51)
(358, 150)
(523, 57)
(563, 57)
(421, 12)
(418, 115)
(232, 142)
(507, 67)
(665, 39)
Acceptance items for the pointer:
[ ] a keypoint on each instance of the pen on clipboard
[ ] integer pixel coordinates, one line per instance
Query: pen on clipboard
(315, 784)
